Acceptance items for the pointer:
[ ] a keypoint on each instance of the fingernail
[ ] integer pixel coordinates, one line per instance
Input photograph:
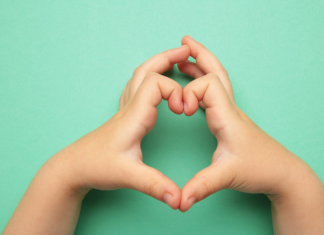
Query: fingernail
(191, 201)
(168, 198)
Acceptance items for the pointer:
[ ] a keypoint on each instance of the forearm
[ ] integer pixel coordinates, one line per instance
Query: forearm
(300, 211)
(49, 206)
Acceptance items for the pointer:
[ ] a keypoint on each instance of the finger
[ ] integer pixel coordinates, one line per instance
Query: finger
(206, 182)
(208, 62)
(159, 63)
(156, 87)
(191, 69)
(126, 95)
(171, 67)
(152, 182)
(121, 99)
(209, 89)
(202, 105)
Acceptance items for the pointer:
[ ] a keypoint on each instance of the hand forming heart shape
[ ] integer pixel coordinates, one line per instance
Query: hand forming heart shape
(212, 88)
(110, 157)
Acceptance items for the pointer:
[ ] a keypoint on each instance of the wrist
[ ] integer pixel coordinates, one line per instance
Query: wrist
(62, 174)
(48, 200)
(299, 178)
(300, 210)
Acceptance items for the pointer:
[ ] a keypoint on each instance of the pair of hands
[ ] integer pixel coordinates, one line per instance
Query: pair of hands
(110, 157)
(246, 158)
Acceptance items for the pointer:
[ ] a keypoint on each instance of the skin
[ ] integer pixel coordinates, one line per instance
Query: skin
(107, 158)
(247, 159)
(110, 157)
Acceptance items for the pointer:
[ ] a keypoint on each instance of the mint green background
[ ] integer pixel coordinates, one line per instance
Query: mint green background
(63, 65)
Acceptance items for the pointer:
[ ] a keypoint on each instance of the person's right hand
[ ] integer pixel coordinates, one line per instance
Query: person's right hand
(110, 157)
(247, 159)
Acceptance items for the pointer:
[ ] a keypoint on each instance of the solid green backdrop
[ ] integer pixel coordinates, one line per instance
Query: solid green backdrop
(63, 65)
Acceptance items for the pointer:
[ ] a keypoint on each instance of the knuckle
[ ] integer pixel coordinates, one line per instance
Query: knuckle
(208, 186)
(137, 71)
(225, 72)
(128, 83)
(151, 75)
(186, 90)
(150, 186)
(213, 76)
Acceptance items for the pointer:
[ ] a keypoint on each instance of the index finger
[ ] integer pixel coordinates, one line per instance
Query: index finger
(159, 63)
(152, 90)
(208, 62)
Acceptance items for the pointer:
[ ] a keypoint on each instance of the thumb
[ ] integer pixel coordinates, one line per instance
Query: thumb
(152, 182)
(206, 182)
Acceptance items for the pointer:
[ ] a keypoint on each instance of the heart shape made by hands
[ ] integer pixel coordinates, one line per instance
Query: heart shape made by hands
(212, 90)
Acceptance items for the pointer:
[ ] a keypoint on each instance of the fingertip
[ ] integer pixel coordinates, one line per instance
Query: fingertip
(186, 49)
(176, 108)
(191, 201)
(175, 104)
(185, 109)
(187, 197)
(172, 196)
(175, 100)
(179, 54)
(190, 108)
(168, 199)
(187, 204)
(172, 201)
(185, 39)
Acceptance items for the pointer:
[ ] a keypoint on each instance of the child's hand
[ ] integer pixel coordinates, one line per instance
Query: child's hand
(247, 159)
(107, 158)
(110, 157)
